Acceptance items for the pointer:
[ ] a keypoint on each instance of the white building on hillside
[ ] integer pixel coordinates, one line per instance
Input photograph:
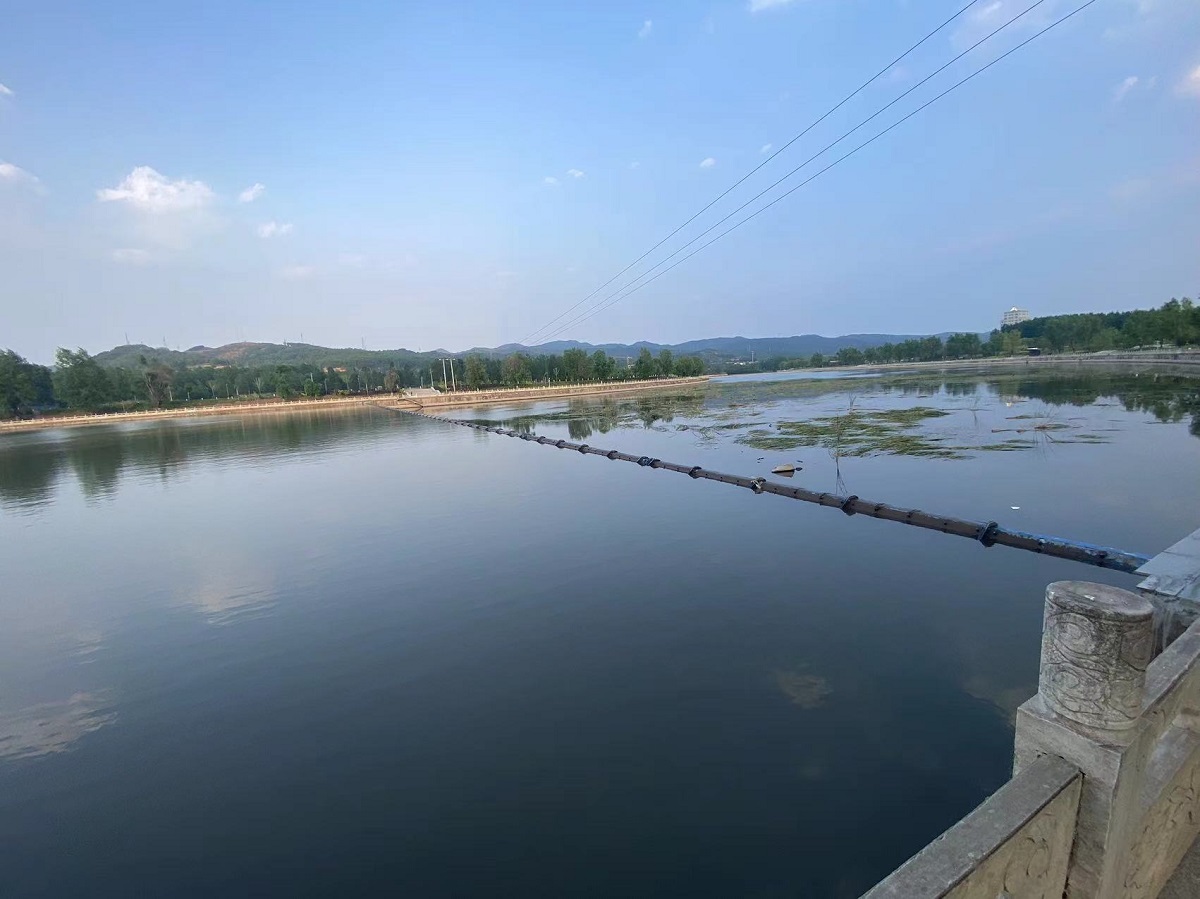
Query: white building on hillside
(1015, 316)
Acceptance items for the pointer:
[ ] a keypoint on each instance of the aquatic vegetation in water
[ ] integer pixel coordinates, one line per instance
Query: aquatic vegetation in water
(805, 690)
(860, 432)
(743, 412)
(898, 432)
(1008, 446)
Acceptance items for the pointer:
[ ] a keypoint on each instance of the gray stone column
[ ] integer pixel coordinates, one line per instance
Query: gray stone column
(1096, 645)
(1097, 642)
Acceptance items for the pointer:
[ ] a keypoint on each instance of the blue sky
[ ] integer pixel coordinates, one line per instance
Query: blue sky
(457, 174)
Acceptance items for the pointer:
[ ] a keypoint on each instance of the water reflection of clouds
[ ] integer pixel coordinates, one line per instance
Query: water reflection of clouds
(88, 643)
(1004, 699)
(53, 727)
(805, 690)
(226, 586)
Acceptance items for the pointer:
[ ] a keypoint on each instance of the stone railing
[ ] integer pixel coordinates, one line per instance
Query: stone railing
(1105, 796)
(1016, 844)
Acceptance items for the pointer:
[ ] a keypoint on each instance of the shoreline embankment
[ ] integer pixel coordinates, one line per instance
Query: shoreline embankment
(1185, 361)
(432, 400)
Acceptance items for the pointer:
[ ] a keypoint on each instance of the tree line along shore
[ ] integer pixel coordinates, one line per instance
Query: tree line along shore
(80, 383)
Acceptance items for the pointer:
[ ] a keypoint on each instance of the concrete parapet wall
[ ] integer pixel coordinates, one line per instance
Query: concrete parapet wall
(1120, 726)
(526, 394)
(1017, 844)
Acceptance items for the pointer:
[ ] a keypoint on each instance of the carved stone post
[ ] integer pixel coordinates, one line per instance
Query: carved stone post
(1096, 645)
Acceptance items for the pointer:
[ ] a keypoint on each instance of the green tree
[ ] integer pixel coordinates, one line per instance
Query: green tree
(286, 382)
(665, 364)
(576, 365)
(1013, 345)
(816, 360)
(963, 346)
(476, 372)
(80, 381)
(16, 386)
(391, 380)
(603, 365)
(515, 370)
(931, 349)
(644, 366)
(156, 382)
(689, 366)
(849, 355)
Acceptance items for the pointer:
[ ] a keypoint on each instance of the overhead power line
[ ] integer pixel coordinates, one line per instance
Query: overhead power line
(632, 287)
(750, 173)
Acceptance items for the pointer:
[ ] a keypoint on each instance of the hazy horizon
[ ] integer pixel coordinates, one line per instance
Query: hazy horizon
(314, 343)
(458, 175)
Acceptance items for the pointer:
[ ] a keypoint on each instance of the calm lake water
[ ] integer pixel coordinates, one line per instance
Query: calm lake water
(360, 652)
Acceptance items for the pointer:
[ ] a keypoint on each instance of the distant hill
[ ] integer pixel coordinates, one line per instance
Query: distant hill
(712, 350)
(249, 354)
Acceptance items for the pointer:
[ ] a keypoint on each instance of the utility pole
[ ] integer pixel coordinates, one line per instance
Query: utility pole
(445, 386)
(453, 385)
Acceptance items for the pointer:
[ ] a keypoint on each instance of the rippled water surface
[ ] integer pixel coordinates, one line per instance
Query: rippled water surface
(359, 652)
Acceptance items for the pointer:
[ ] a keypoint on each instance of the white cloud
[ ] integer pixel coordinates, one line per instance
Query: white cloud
(634, 164)
(297, 272)
(131, 256)
(1163, 182)
(352, 260)
(707, 163)
(14, 174)
(985, 19)
(647, 27)
(550, 181)
(1149, 21)
(274, 229)
(1153, 7)
(1131, 189)
(766, 148)
(575, 173)
(1190, 85)
(1123, 89)
(6, 91)
(252, 193)
(760, 5)
(150, 191)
